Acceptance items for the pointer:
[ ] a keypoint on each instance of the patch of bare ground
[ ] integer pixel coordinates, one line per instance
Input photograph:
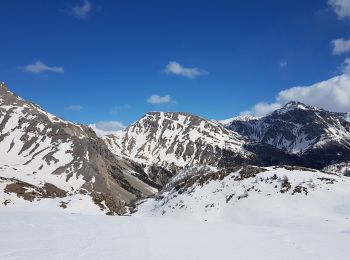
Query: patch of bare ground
(31, 192)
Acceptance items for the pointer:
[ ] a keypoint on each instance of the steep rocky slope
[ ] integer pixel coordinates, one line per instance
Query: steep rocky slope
(166, 142)
(38, 149)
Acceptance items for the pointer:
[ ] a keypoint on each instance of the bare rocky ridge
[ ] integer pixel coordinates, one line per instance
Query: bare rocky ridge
(37, 147)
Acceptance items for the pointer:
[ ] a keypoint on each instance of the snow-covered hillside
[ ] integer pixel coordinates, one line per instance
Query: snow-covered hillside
(287, 196)
(342, 168)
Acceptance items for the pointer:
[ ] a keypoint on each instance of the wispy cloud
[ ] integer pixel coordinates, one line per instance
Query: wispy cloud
(176, 68)
(39, 67)
(74, 108)
(340, 46)
(107, 127)
(157, 99)
(262, 108)
(341, 8)
(346, 67)
(283, 64)
(82, 11)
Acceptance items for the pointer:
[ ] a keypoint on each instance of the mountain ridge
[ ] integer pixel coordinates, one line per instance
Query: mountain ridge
(45, 157)
(38, 148)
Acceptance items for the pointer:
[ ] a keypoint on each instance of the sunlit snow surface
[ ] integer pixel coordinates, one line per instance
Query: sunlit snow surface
(62, 236)
(264, 225)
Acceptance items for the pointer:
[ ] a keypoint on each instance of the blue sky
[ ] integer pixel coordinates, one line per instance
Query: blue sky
(91, 61)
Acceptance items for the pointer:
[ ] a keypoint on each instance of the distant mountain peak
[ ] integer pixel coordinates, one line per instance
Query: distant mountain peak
(297, 105)
(297, 128)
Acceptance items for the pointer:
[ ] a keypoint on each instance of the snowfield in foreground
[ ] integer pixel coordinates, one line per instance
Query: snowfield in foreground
(37, 235)
(235, 213)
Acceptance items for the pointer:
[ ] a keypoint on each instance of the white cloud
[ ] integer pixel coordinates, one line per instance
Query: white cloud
(283, 64)
(82, 11)
(262, 108)
(74, 107)
(39, 67)
(332, 94)
(107, 127)
(176, 68)
(156, 99)
(340, 46)
(346, 66)
(341, 8)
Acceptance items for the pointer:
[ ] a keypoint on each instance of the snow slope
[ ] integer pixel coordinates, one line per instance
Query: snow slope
(217, 215)
(45, 236)
(271, 196)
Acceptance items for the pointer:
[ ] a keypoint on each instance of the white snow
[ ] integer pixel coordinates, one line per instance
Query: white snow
(263, 225)
(47, 236)
(258, 201)
(238, 118)
(347, 117)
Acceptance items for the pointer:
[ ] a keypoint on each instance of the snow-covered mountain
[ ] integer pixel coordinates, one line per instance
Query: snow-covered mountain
(296, 134)
(296, 128)
(46, 159)
(43, 156)
(172, 140)
(314, 136)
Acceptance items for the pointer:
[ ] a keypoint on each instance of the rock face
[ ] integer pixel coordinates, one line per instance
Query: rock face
(306, 135)
(166, 142)
(37, 148)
